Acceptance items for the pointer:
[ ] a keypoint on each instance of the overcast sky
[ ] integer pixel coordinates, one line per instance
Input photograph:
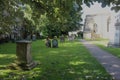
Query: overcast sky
(94, 9)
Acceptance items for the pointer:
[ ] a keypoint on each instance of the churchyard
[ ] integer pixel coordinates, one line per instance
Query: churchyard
(71, 61)
(59, 40)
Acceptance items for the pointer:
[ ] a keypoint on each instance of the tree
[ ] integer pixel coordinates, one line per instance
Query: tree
(62, 15)
(7, 13)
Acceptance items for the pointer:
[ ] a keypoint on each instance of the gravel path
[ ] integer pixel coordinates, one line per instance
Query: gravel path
(109, 62)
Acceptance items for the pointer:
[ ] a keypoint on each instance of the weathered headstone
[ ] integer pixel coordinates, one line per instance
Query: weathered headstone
(23, 53)
(55, 43)
(48, 42)
(29, 37)
(12, 38)
(62, 38)
(33, 37)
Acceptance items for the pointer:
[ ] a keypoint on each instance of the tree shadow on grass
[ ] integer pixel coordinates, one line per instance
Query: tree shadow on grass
(7, 53)
(68, 62)
(5, 60)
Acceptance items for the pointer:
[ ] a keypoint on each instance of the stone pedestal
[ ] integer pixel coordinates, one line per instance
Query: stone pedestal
(23, 53)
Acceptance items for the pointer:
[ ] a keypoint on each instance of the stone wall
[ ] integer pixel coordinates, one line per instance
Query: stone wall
(96, 26)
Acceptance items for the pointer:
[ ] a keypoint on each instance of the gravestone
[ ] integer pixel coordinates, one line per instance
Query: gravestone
(62, 38)
(48, 42)
(13, 38)
(23, 53)
(29, 37)
(33, 37)
(55, 43)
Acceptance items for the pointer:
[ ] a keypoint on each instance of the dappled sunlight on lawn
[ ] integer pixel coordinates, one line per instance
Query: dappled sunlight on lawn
(7, 56)
(53, 52)
(71, 61)
(8, 48)
(101, 42)
(5, 59)
(76, 62)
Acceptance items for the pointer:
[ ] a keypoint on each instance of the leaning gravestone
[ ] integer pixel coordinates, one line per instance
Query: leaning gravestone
(48, 43)
(23, 53)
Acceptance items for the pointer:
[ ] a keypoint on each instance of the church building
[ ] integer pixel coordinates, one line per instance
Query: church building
(97, 26)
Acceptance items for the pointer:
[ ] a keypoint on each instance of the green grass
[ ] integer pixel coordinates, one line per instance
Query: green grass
(103, 45)
(97, 39)
(71, 61)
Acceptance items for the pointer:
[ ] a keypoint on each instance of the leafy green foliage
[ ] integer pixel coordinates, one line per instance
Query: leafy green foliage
(64, 15)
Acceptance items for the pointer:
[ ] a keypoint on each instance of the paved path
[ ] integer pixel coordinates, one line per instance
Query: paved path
(109, 62)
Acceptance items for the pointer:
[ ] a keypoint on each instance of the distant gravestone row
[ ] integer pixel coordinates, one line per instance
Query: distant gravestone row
(54, 42)
(33, 37)
(23, 52)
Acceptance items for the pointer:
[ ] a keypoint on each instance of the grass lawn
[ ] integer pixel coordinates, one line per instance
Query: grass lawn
(71, 61)
(103, 44)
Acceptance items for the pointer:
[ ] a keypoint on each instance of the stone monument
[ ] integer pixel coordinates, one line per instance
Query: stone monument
(24, 59)
(114, 38)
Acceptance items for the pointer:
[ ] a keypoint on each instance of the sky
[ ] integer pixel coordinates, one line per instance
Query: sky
(94, 9)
